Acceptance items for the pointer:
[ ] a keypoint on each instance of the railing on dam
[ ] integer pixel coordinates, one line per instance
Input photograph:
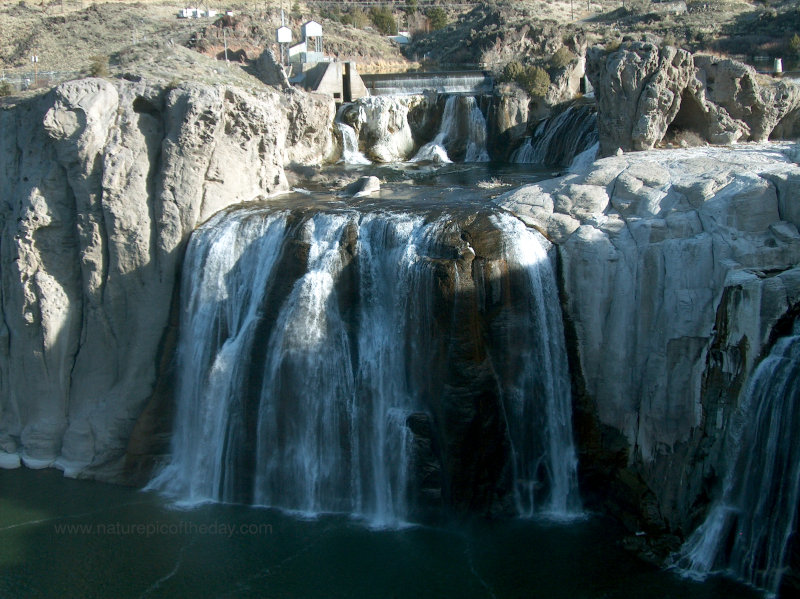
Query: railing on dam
(445, 82)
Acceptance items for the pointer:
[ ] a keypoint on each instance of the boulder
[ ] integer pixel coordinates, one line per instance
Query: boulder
(363, 187)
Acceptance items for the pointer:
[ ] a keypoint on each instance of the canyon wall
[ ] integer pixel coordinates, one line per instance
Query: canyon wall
(676, 268)
(101, 183)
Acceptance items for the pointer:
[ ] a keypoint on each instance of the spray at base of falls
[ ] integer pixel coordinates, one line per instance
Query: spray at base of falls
(560, 138)
(747, 531)
(361, 362)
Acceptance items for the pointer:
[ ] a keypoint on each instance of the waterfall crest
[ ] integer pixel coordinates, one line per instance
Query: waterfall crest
(747, 531)
(558, 139)
(315, 345)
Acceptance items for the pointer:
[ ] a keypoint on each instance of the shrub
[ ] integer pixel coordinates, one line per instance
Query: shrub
(794, 45)
(411, 7)
(535, 81)
(6, 89)
(561, 58)
(437, 18)
(383, 19)
(98, 67)
(512, 71)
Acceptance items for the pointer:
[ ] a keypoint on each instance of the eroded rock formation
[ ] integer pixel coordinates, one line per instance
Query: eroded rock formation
(644, 91)
(638, 90)
(382, 126)
(102, 182)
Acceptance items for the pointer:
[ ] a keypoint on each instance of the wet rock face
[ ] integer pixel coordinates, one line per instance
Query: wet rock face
(102, 182)
(508, 120)
(645, 92)
(676, 266)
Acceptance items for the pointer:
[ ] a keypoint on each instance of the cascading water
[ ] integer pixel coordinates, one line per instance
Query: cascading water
(351, 154)
(747, 531)
(463, 124)
(311, 338)
(541, 433)
(558, 139)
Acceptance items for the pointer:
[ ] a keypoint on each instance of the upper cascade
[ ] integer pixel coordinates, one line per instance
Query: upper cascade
(747, 531)
(351, 154)
(558, 139)
(332, 361)
(462, 133)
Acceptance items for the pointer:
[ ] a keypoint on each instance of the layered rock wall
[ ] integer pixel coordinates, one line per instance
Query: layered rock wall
(101, 183)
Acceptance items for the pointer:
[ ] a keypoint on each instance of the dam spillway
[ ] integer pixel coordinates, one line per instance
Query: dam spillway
(444, 82)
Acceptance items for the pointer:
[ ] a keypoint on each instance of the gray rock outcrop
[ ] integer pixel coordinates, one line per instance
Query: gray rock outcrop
(270, 71)
(676, 268)
(638, 89)
(644, 91)
(102, 182)
(508, 122)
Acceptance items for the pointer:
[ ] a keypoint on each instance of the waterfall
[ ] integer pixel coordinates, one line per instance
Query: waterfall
(541, 434)
(559, 138)
(350, 151)
(463, 131)
(309, 339)
(747, 531)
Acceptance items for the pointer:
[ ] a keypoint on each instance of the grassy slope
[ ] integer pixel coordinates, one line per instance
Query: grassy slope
(67, 34)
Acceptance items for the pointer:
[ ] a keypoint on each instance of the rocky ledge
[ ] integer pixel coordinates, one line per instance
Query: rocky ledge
(676, 268)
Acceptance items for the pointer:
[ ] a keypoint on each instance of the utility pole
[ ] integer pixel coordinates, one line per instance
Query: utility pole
(225, 41)
(35, 61)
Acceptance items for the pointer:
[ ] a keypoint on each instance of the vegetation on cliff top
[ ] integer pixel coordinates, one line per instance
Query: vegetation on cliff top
(68, 37)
